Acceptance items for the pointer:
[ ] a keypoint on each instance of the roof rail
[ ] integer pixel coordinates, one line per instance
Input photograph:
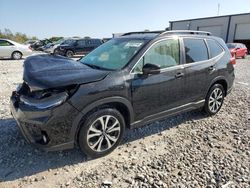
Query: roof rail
(193, 32)
(143, 32)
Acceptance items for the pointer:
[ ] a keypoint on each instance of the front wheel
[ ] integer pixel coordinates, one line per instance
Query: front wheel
(101, 132)
(69, 53)
(214, 99)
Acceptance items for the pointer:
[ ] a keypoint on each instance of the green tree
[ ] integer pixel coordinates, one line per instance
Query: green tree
(18, 37)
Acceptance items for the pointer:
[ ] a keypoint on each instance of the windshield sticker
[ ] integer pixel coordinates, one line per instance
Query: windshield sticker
(133, 44)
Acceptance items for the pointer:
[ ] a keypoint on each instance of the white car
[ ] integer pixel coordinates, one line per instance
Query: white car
(13, 50)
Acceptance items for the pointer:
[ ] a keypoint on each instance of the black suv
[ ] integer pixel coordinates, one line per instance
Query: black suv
(78, 47)
(125, 83)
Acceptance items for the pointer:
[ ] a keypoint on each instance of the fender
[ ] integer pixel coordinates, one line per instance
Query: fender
(215, 80)
(76, 122)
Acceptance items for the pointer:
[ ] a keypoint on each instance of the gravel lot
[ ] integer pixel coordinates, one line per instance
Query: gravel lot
(188, 150)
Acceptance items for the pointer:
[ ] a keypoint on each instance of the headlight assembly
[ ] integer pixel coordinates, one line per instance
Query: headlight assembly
(45, 103)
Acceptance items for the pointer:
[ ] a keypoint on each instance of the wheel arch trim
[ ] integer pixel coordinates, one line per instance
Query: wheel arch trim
(76, 123)
(219, 78)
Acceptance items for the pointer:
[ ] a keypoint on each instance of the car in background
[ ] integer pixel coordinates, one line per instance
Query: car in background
(237, 50)
(13, 50)
(77, 47)
(51, 48)
(38, 45)
(30, 42)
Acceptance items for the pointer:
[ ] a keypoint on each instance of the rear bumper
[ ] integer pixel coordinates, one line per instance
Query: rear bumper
(47, 129)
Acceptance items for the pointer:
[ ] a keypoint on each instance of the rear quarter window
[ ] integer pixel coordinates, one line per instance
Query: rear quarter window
(214, 48)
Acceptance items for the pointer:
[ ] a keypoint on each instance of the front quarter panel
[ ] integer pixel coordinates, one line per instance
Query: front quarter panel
(112, 85)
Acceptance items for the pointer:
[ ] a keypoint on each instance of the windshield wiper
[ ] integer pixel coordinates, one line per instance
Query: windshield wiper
(96, 67)
(92, 66)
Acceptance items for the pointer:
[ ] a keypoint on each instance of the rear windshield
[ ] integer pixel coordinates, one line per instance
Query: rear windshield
(114, 54)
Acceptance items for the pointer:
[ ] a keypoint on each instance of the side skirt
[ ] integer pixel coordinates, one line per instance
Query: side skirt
(168, 113)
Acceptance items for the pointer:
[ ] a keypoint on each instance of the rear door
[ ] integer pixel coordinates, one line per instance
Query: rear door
(199, 70)
(6, 48)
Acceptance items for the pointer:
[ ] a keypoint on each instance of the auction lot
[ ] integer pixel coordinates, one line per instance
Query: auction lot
(188, 150)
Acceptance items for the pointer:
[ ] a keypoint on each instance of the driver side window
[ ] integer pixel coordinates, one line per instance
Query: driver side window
(164, 54)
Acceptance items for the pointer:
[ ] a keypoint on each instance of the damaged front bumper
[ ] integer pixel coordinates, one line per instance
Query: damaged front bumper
(43, 125)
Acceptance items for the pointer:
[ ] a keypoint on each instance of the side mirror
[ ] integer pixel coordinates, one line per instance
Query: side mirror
(151, 69)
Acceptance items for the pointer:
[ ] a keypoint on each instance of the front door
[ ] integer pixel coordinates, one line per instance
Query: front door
(6, 48)
(80, 46)
(152, 94)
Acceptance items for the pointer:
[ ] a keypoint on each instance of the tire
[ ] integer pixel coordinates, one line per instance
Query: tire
(95, 142)
(214, 102)
(69, 53)
(55, 52)
(16, 55)
(244, 57)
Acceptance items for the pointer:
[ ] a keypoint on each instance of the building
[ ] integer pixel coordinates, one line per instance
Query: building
(232, 28)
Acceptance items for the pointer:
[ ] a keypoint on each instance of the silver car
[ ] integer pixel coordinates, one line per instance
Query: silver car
(13, 50)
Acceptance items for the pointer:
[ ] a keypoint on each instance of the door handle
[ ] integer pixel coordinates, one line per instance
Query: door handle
(179, 75)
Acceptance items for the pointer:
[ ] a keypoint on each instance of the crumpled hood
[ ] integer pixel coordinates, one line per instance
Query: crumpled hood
(48, 71)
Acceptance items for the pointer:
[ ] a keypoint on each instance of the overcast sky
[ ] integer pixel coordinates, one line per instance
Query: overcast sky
(101, 18)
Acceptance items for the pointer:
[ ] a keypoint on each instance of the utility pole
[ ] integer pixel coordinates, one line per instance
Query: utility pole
(218, 11)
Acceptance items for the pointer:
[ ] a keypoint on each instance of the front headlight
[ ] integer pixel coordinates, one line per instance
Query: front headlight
(51, 101)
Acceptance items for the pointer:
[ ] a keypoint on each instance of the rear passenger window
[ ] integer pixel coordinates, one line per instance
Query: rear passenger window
(214, 48)
(195, 50)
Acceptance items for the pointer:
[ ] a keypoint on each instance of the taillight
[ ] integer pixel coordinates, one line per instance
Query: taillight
(233, 60)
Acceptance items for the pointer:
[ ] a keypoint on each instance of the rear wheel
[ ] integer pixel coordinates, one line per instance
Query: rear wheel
(214, 99)
(244, 57)
(16, 55)
(69, 53)
(101, 132)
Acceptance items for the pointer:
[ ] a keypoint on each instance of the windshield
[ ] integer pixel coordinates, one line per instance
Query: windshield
(231, 45)
(114, 54)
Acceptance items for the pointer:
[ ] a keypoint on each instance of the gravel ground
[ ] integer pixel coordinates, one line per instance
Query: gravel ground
(188, 150)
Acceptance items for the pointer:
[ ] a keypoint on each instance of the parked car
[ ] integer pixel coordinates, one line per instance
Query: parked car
(38, 45)
(29, 42)
(78, 47)
(237, 49)
(13, 50)
(51, 48)
(127, 82)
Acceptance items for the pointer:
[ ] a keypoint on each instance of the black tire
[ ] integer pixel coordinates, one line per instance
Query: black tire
(69, 53)
(218, 102)
(55, 52)
(87, 141)
(16, 55)
(244, 57)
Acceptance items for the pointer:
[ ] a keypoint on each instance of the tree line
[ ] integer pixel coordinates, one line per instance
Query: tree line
(17, 37)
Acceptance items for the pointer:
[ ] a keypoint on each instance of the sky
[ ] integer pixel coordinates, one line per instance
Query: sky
(101, 18)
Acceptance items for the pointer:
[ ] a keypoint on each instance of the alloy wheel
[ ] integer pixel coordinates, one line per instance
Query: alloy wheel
(215, 100)
(17, 55)
(103, 133)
